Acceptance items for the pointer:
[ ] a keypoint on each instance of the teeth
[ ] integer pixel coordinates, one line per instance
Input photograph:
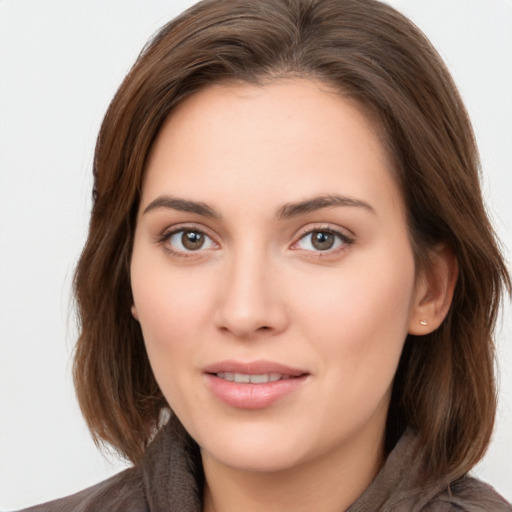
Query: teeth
(243, 378)
(259, 379)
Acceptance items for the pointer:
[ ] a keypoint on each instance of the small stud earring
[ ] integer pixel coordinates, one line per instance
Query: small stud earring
(423, 322)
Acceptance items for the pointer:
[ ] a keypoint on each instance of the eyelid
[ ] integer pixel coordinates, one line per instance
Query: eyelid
(167, 233)
(341, 233)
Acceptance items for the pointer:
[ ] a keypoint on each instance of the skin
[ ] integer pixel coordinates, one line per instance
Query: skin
(258, 289)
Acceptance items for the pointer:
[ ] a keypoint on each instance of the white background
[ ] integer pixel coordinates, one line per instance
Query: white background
(60, 63)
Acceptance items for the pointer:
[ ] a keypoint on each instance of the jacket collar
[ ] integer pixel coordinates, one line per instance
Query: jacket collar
(173, 478)
(171, 472)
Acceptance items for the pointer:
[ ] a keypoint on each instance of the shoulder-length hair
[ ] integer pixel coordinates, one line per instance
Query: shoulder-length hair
(445, 385)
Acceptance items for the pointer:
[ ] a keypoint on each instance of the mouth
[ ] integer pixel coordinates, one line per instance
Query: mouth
(245, 378)
(231, 369)
(254, 385)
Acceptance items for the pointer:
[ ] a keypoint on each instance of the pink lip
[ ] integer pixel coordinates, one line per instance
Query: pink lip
(253, 368)
(253, 396)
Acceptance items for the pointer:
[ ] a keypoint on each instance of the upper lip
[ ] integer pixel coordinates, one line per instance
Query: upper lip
(259, 367)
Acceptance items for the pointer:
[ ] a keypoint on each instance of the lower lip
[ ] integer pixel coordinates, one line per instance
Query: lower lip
(253, 396)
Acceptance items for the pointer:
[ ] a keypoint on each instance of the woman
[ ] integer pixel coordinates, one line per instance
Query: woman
(288, 248)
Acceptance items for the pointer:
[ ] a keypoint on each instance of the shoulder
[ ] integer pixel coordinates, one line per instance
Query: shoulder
(401, 486)
(168, 477)
(470, 495)
(122, 492)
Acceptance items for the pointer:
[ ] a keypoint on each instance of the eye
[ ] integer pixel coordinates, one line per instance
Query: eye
(322, 240)
(187, 240)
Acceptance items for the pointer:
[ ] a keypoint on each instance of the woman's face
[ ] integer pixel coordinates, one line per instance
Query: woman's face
(272, 274)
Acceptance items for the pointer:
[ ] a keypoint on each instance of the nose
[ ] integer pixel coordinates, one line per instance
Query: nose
(252, 302)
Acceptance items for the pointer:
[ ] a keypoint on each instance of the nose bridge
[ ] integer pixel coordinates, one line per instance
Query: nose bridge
(251, 301)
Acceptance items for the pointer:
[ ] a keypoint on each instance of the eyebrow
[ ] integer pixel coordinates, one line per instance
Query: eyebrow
(317, 203)
(182, 205)
(286, 211)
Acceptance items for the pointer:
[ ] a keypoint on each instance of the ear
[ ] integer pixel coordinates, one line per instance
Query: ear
(134, 312)
(434, 291)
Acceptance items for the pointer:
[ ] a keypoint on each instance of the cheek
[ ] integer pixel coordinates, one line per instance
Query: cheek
(172, 310)
(358, 329)
(361, 321)
(170, 302)
(169, 321)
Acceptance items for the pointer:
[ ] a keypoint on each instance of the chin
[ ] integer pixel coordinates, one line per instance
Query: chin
(253, 459)
(254, 448)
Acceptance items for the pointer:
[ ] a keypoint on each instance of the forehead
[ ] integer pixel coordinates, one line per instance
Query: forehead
(291, 135)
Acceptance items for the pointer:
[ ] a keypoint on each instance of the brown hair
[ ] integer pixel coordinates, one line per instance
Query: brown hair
(444, 387)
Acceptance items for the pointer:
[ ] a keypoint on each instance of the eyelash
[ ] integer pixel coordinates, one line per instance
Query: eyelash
(164, 241)
(341, 239)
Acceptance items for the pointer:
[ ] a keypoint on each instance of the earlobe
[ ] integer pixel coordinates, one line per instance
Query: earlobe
(134, 312)
(434, 291)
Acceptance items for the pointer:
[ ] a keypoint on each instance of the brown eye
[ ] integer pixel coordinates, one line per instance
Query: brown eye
(192, 240)
(184, 241)
(322, 240)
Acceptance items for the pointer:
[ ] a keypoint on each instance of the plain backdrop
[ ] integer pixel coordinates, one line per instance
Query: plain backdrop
(60, 63)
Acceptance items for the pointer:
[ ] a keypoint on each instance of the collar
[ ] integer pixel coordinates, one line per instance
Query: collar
(173, 478)
(171, 474)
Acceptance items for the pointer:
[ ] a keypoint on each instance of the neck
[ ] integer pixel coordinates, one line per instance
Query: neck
(330, 483)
